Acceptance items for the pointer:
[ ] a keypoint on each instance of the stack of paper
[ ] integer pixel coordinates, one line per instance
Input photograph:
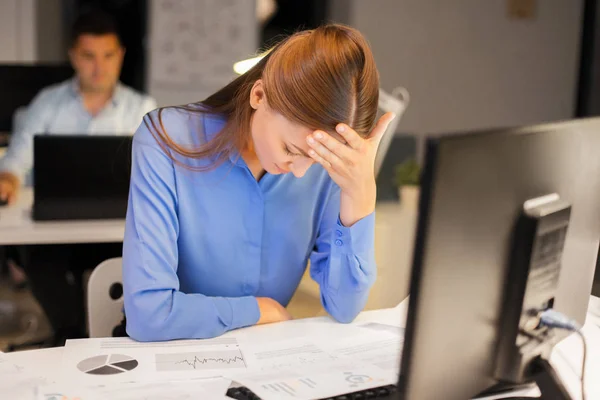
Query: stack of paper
(16, 382)
(303, 359)
(300, 359)
(322, 362)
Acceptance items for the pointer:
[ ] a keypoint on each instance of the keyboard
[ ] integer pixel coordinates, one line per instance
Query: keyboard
(382, 392)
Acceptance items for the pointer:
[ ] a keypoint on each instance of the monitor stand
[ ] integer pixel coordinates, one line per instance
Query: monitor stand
(546, 378)
(548, 381)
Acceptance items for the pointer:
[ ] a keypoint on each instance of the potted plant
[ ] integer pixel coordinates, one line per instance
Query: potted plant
(406, 178)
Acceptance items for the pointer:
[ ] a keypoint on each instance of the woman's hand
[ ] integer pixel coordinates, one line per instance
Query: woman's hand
(351, 166)
(271, 311)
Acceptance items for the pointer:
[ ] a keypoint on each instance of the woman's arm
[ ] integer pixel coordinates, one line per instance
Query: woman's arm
(155, 308)
(343, 262)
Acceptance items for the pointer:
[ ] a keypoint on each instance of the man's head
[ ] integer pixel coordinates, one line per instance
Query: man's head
(96, 52)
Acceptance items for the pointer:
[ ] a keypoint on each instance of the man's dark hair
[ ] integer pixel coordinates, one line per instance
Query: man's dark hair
(94, 22)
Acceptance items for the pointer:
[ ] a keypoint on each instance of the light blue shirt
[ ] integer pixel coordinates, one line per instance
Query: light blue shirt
(201, 246)
(59, 109)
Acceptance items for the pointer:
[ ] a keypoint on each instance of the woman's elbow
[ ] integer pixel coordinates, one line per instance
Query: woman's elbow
(153, 331)
(342, 313)
(146, 329)
(145, 319)
(344, 316)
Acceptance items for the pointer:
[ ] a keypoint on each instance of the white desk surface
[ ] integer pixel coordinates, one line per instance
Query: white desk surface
(17, 227)
(566, 357)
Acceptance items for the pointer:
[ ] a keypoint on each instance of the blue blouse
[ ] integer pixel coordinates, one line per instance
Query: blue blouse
(200, 247)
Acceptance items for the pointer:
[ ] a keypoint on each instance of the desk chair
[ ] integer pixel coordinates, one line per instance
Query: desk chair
(105, 298)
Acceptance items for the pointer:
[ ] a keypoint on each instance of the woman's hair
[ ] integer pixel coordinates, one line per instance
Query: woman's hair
(316, 78)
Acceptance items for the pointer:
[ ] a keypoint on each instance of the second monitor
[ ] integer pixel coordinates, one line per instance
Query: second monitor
(469, 293)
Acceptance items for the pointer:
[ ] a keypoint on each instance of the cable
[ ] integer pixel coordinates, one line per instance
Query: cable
(554, 319)
(584, 342)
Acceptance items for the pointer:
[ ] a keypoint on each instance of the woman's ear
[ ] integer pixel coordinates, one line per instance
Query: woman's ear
(257, 94)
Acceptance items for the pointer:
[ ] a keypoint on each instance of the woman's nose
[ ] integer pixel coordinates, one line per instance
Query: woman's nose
(300, 167)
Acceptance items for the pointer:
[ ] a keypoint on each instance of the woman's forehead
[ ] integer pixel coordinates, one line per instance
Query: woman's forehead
(301, 130)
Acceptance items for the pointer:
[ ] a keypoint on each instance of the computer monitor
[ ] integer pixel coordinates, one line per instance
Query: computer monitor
(596, 286)
(474, 188)
(79, 177)
(19, 84)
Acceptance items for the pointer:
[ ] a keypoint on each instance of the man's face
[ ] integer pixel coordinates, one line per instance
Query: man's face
(97, 61)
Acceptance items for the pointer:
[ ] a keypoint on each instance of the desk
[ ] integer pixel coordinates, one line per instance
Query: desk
(17, 227)
(565, 358)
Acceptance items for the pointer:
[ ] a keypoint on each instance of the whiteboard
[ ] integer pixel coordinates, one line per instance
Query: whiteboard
(193, 45)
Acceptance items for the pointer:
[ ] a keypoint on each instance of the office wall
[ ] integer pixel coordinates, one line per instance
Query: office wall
(32, 31)
(18, 42)
(51, 31)
(467, 65)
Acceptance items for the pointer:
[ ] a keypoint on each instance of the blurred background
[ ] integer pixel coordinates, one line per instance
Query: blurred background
(467, 64)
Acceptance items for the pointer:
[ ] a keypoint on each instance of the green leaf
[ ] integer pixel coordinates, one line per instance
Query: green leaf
(407, 173)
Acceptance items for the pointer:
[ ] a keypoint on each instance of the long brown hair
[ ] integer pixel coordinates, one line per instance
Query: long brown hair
(317, 78)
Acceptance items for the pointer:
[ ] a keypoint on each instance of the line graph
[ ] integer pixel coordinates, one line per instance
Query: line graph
(201, 361)
(222, 359)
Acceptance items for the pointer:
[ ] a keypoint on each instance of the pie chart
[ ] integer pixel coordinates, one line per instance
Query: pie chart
(107, 364)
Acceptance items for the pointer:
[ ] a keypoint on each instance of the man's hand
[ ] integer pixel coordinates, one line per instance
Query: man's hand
(9, 187)
(271, 311)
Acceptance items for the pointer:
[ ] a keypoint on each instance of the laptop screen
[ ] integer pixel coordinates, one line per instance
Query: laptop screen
(81, 171)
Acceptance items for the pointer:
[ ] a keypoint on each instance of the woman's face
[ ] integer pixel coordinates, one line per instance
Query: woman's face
(279, 144)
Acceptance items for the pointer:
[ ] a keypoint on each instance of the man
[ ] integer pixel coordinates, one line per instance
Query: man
(92, 102)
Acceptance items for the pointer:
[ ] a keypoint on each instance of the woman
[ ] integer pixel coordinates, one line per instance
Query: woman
(218, 233)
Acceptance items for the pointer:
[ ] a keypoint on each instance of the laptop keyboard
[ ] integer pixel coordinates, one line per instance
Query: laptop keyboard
(382, 392)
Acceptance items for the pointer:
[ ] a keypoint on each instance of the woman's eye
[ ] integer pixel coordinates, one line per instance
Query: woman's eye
(288, 152)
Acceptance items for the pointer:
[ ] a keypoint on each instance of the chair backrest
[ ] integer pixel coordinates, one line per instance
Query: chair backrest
(395, 102)
(105, 298)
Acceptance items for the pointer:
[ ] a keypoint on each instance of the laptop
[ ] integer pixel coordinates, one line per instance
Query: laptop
(80, 177)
